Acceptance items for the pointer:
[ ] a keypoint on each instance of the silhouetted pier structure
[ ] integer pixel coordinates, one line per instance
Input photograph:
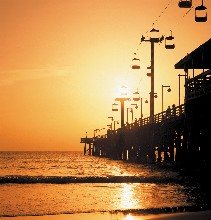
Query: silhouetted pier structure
(181, 136)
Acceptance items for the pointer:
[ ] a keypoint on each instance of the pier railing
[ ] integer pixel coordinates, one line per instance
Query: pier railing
(162, 117)
(166, 116)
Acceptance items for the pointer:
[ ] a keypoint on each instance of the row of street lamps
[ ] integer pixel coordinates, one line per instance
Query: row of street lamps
(136, 98)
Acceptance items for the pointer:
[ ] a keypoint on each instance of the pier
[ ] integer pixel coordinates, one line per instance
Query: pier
(180, 136)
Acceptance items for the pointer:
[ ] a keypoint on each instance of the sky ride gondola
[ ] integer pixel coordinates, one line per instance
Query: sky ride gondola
(136, 96)
(185, 3)
(114, 107)
(168, 39)
(136, 63)
(154, 35)
(201, 13)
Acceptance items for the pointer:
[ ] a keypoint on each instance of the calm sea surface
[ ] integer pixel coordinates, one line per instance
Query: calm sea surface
(48, 183)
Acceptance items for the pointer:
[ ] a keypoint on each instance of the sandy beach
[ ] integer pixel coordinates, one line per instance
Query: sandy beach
(201, 215)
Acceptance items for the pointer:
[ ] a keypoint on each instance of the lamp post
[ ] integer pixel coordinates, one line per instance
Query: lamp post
(136, 106)
(122, 101)
(112, 118)
(152, 40)
(179, 85)
(110, 126)
(142, 106)
(137, 98)
(131, 110)
(169, 90)
(115, 124)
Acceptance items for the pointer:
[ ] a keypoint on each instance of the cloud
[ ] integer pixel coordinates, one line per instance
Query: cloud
(13, 76)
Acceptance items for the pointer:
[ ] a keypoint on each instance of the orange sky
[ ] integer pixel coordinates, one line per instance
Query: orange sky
(63, 61)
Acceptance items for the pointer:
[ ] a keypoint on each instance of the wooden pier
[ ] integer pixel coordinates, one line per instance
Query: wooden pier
(181, 136)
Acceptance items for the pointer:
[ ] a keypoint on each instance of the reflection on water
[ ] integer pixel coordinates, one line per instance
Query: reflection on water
(129, 217)
(74, 198)
(104, 187)
(71, 164)
(128, 199)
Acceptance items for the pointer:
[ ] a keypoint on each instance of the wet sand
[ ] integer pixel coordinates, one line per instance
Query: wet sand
(201, 215)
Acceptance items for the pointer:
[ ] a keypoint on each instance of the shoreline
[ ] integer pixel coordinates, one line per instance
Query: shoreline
(204, 215)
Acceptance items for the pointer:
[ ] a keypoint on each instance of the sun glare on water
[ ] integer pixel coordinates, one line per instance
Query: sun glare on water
(129, 217)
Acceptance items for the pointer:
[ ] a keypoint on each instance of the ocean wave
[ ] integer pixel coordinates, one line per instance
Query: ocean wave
(163, 210)
(72, 179)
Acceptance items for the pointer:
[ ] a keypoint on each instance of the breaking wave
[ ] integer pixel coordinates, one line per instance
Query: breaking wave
(72, 179)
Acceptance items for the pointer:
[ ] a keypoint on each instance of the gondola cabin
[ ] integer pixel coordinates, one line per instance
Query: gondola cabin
(168, 43)
(123, 91)
(185, 3)
(136, 96)
(114, 107)
(136, 63)
(201, 13)
(154, 36)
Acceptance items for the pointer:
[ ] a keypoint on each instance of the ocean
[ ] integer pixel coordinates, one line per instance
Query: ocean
(52, 183)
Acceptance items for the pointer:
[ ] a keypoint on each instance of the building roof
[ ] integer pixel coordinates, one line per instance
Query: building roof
(200, 58)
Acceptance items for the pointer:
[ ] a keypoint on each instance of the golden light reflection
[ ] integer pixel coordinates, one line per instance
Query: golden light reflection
(129, 217)
(139, 217)
(127, 199)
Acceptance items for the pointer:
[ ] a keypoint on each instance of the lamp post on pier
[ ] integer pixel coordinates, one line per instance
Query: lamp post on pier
(131, 110)
(110, 126)
(146, 101)
(168, 90)
(137, 98)
(112, 118)
(115, 124)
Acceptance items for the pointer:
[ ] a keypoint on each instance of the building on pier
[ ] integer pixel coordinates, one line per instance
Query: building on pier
(197, 123)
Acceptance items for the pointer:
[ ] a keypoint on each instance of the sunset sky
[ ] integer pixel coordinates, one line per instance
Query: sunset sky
(62, 63)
